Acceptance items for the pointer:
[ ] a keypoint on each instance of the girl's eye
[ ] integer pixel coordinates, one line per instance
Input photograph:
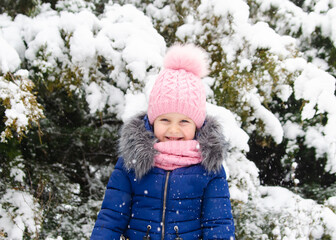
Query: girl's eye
(185, 121)
(164, 120)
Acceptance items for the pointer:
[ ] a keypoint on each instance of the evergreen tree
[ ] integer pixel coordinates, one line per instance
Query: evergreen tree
(74, 70)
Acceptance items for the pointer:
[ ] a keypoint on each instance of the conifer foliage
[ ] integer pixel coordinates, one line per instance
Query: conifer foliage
(71, 72)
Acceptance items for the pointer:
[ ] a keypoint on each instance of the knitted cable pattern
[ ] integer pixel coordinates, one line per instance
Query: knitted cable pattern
(178, 87)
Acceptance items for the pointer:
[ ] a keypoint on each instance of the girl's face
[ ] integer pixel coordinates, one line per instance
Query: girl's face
(174, 127)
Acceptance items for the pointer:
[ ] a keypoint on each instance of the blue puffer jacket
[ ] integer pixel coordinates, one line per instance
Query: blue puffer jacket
(188, 203)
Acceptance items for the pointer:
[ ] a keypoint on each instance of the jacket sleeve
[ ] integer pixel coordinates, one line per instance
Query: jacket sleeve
(114, 215)
(217, 220)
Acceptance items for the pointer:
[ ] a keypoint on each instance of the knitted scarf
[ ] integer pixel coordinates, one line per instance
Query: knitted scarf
(177, 154)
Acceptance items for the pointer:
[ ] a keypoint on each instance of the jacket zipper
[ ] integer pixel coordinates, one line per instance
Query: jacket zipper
(164, 205)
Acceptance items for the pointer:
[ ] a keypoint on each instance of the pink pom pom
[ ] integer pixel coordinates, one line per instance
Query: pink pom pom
(188, 57)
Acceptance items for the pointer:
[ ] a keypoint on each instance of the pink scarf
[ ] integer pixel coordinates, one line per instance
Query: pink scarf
(177, 154)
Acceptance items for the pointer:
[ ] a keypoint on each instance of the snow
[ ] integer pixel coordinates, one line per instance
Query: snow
(332, 201)
(98, 96)
(284, 92)
(82, 47)
(161, 13)
(131, 30)
(243, 177)
(22, 213)
(134, 103)
(17, 174)
(262, 36)
(295, 64)
(309, 217)
(127, 40)
(329, 24)
(9, 58)
(70, 22)
(272, 124)
(292, 130)
(125, 37)
(222, 8)
(16, 92)
(237, 137)
(317, 87)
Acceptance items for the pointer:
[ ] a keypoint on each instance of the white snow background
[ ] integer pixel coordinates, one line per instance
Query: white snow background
(124, 36)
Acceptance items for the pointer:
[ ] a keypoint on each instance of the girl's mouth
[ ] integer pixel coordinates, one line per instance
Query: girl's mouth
(174, 138)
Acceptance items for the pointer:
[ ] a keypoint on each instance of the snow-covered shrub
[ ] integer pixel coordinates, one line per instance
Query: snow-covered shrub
(82, 65)
(22, 108)
(272, 90)
(20, 212)
(331, 203)
(261, 75)
(312, 24)
(20, 215)
(273, 214)
(312, 27)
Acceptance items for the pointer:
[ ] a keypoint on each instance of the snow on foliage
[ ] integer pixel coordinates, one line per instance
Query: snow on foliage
(9, 60)
(68, 46)
(19, 213)
(21, 105)
(314, 85)
(288, 210)
(19, 210)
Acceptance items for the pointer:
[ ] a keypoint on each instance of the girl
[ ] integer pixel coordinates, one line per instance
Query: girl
(169, 182)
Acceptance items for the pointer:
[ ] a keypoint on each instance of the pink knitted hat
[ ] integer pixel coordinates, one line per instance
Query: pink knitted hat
(178, 88)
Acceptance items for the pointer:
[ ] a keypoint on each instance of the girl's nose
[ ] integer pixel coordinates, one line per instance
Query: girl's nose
(174, 128)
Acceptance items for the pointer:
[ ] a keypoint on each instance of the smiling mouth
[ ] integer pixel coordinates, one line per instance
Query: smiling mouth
(174, 138)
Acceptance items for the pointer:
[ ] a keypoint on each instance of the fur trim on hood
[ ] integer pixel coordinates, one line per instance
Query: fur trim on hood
(136, 145)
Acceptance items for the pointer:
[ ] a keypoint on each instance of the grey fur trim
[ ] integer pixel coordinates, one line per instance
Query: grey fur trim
(213, 145)
(136, 145)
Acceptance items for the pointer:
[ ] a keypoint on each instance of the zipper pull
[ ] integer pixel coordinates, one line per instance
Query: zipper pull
(147, 237)
(177, 235)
